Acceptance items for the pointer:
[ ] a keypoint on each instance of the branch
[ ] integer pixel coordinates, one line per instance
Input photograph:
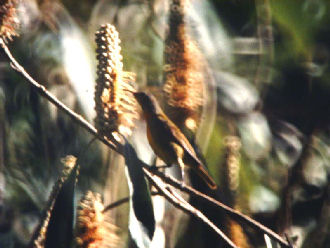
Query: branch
(180, 203)
(120, 149)
(50, 97)
(91, 129)
(231, 212)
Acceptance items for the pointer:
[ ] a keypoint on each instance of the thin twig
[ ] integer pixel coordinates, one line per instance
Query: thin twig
(122, 201)
(180, 203)
(231, 212)
(288, 239)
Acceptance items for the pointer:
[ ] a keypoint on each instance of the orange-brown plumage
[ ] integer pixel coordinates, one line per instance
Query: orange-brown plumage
(166, 139)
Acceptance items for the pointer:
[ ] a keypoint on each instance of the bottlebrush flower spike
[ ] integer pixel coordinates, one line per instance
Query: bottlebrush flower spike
(114, 104)
(183, 70)
(92, 228)
(8, 19)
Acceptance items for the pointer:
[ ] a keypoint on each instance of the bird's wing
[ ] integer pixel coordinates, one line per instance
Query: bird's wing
(179, 137)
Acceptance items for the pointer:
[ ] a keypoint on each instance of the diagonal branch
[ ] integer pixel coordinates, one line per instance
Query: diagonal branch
(50, 97)
(180, 203)
(120, 149)
(230, 211)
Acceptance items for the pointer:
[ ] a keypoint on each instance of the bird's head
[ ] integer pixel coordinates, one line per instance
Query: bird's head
(147, 102)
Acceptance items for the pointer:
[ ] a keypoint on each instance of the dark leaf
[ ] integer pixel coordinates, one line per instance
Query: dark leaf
(142, 221)
(56, 226)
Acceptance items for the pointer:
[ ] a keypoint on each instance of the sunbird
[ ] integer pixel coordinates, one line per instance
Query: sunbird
(167, 140)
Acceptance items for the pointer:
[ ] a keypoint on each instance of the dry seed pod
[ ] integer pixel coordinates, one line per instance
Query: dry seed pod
(183, 69)
(114, 105)
(8, 19)
(92, 228)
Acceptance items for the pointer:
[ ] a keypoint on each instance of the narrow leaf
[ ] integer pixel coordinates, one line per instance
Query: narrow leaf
(56, 226)
(142, 220)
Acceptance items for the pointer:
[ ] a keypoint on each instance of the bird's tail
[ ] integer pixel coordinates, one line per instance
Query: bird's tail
(206, 177)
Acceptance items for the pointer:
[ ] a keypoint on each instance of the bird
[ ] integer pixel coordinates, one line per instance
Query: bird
(167, 140)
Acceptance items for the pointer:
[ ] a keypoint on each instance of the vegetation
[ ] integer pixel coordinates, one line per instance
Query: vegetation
(245, 81)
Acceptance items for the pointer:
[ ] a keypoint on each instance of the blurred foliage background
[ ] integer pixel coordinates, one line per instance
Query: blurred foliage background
(266, 143)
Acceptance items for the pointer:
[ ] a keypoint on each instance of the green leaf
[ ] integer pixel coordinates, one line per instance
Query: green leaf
(297, 24)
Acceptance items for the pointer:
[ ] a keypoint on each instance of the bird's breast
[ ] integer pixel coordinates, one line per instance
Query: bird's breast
(160, 143)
